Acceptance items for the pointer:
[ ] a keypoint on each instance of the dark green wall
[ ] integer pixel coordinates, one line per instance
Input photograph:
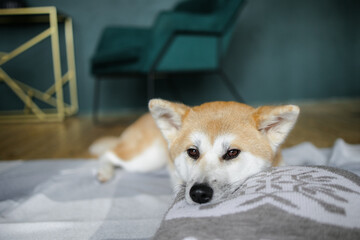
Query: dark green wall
(281, 51)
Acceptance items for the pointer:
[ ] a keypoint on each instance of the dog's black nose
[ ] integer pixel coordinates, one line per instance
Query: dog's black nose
(201, 193)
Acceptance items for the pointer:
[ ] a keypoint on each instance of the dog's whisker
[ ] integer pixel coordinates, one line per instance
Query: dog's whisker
(235, 186)
(235, 190)
(180, 187)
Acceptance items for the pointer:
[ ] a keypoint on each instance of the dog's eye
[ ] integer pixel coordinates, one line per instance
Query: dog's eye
(230, 154)
(193, 153)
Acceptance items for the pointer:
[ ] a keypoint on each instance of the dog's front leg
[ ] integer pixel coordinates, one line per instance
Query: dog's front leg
(106, 169)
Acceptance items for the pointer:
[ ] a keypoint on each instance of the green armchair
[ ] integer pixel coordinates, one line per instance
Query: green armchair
(190, 39)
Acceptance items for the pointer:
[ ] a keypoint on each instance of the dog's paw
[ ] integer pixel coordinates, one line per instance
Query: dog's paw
(105, 173)
(103, 178)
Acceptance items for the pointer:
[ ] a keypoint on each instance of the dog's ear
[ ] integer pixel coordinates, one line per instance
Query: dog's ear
(276, 122)
(168, 116)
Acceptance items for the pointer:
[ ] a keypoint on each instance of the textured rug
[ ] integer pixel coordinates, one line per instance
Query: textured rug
(61, 199)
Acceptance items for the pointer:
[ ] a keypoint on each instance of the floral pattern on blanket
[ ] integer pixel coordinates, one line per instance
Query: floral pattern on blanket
(312, 184)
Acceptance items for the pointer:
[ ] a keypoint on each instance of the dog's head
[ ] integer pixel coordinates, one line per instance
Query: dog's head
(214, 147)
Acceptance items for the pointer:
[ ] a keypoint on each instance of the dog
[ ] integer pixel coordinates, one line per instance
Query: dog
(210, 149)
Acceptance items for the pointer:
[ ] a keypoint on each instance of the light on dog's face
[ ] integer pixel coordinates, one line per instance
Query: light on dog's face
(212, 170)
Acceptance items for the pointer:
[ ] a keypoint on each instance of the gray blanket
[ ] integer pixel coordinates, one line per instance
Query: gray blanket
(60, 199)
(280, 203)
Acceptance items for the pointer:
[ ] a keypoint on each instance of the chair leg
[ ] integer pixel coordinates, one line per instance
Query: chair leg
(230, 86)
(150, 86)
(96, 101)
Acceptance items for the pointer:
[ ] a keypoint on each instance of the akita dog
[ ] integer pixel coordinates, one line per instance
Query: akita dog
(210, 149)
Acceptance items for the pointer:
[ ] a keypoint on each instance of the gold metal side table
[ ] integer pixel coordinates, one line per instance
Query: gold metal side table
(53, 96)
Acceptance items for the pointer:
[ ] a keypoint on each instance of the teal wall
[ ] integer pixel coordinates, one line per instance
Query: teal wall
(281, 51)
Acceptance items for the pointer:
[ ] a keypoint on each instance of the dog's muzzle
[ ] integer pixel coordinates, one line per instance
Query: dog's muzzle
(201, 193)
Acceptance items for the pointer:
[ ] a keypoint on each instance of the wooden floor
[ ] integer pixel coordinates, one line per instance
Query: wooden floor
(320, 123)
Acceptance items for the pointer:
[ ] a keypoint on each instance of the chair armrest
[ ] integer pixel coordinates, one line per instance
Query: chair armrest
(177, 33)
(170, 25)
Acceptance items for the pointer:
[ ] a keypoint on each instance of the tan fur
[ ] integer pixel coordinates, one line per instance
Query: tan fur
(277, 159)
(137, 137)
(221, 118)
